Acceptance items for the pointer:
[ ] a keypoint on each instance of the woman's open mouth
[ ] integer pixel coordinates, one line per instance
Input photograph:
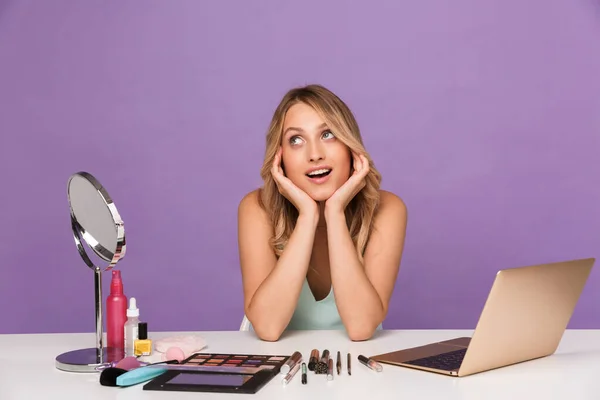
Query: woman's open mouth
(319, 176)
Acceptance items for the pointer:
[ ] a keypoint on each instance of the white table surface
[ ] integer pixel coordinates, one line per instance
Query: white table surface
(27, 369)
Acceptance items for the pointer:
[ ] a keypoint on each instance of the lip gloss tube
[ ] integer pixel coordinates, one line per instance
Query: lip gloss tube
(325, 356)
(291, 363)
(374, 365)
(288, 378)
(330, 370)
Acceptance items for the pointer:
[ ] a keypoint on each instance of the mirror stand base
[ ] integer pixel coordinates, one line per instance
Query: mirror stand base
(87, 360)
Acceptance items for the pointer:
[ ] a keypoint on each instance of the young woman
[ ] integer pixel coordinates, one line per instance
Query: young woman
(320, 244)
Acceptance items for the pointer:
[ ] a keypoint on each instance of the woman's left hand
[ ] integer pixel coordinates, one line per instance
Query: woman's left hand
(342, 197)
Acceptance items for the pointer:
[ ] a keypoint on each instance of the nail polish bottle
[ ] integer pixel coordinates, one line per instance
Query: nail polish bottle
(143, 345)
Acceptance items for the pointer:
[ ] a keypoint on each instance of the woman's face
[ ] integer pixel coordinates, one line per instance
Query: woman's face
(313, 158)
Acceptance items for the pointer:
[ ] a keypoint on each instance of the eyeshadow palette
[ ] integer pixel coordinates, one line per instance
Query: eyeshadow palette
(229, 363)
(228, 373)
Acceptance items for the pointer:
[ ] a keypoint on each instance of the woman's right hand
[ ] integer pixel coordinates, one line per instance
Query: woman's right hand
(299, 198)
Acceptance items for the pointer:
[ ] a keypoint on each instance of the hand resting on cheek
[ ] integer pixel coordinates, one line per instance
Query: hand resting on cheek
(299, 198)
(340, 199)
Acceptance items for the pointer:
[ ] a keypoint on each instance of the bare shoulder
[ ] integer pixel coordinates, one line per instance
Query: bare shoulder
(391, 205)
(390, 219)
(250, 200)
(254, 224)
(251, 206)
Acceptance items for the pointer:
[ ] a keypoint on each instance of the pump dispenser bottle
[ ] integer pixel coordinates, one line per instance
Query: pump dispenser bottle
(116, 313)
(131, 327)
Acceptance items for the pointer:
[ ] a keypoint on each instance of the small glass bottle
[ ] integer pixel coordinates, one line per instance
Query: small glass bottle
(143, 345)
(131, 327)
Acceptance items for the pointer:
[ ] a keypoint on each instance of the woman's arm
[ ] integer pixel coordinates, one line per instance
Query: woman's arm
(362, 292)
(271, 287)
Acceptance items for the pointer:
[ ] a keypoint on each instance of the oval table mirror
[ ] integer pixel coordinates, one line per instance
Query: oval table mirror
(96, 223)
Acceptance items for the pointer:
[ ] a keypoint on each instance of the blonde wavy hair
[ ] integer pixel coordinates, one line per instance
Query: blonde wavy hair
(340, 120)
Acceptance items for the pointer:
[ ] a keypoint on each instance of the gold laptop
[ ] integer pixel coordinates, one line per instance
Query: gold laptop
(524, 318)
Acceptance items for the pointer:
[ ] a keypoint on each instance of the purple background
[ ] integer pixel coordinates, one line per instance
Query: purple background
(483, 116)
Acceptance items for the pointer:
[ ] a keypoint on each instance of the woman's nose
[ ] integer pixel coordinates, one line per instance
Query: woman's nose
(316, 152)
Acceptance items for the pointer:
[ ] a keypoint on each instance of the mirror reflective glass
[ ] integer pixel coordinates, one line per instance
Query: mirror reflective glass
(95, 218)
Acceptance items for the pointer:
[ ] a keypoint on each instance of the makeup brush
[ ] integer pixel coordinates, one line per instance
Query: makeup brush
(139, 375)
(111, 376)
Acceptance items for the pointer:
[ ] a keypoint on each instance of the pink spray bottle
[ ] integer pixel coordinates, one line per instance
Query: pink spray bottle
(116, 313)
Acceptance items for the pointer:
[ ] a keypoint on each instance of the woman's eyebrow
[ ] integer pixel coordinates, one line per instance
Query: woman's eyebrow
(296, 129)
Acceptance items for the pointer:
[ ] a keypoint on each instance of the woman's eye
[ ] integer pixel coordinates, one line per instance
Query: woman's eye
(327, 135)
(294, 140)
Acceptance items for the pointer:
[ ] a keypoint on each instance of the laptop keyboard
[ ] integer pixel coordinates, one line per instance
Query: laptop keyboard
(446, 361)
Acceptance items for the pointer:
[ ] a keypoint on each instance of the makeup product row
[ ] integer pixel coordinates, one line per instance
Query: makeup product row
(323, 364)
(254, 370)
(288, 366)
